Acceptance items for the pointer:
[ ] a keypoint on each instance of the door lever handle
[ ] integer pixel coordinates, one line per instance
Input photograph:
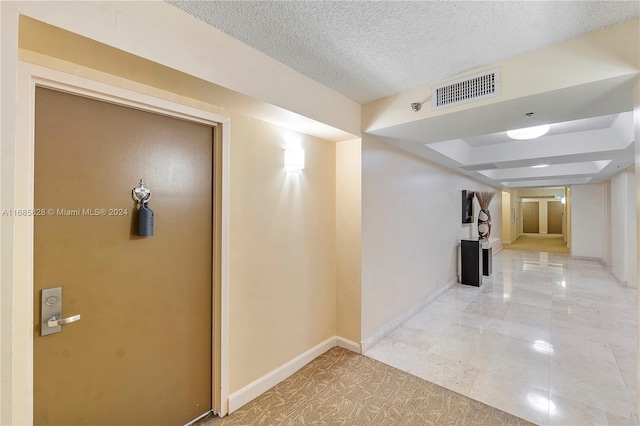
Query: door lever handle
(53, 322)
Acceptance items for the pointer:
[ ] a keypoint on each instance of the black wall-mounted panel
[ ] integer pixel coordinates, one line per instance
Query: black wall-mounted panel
(467, 206)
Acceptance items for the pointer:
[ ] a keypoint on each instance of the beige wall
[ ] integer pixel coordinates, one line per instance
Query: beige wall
(348, 228)
(411, 227)
(281, 250)
(506, 217)
(544, 216)
(282, 259)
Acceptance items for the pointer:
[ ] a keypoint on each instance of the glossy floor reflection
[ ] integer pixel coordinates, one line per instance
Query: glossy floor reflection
(547, 338)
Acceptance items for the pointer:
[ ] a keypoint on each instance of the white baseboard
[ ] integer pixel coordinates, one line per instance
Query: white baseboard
(593, 259)
(263, 384)
(618, 278)
(387, 328)
(497, 248)
(348, 344)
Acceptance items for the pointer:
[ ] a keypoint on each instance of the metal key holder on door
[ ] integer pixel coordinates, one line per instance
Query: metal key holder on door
(145, 214)
(51, 320)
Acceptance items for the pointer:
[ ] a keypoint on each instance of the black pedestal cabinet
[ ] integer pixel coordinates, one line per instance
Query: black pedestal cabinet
(471, 262)
(486, 261)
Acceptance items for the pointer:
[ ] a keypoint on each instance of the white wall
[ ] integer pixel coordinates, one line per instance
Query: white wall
(608, 229)
(624, 253)
(636, 132)
(632, 254)
(411, 227)
(588, 221)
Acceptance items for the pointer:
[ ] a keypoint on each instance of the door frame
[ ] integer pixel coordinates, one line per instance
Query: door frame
(30, 76)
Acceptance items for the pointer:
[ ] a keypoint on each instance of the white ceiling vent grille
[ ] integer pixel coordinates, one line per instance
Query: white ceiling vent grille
(468, 89)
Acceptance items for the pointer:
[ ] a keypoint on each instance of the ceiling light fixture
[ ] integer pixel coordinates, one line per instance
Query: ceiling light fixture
(539, 166)
(528, 132)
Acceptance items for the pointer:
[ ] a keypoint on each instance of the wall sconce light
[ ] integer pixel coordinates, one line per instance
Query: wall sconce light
(294, 159)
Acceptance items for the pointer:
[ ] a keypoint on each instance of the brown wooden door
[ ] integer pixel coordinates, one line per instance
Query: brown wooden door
(555, 209)
(141, 353)
(530, 217)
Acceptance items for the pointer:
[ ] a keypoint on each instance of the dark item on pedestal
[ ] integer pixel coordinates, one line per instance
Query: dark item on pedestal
(467, 206)
(471, 262)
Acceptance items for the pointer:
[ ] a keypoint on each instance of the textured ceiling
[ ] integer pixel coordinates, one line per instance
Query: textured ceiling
(371, 49)
(367, 50)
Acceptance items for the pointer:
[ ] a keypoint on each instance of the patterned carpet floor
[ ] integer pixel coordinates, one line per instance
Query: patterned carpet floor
(543, 242)
(343, 388)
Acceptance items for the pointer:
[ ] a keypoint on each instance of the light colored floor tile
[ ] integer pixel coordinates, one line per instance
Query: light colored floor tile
(507, 349)
(496, 310)
(525, 332)
(622, 341)
(462, 293)
(457, 376)
(582, 344)
(481, 322)
(598, 371)
(542, 328)
(455, 346)
(526, 402)
(611, 399)
(515, 374)
(395, 354)
(416, 337)
(446, 304)
(432, 321)
(568, 412)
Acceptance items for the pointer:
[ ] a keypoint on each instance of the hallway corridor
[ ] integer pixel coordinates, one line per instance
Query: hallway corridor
(547, 338)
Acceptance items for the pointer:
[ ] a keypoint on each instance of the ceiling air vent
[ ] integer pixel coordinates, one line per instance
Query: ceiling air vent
(468, 89)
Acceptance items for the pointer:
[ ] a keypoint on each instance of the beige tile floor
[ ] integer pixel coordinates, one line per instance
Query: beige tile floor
(547, 338)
